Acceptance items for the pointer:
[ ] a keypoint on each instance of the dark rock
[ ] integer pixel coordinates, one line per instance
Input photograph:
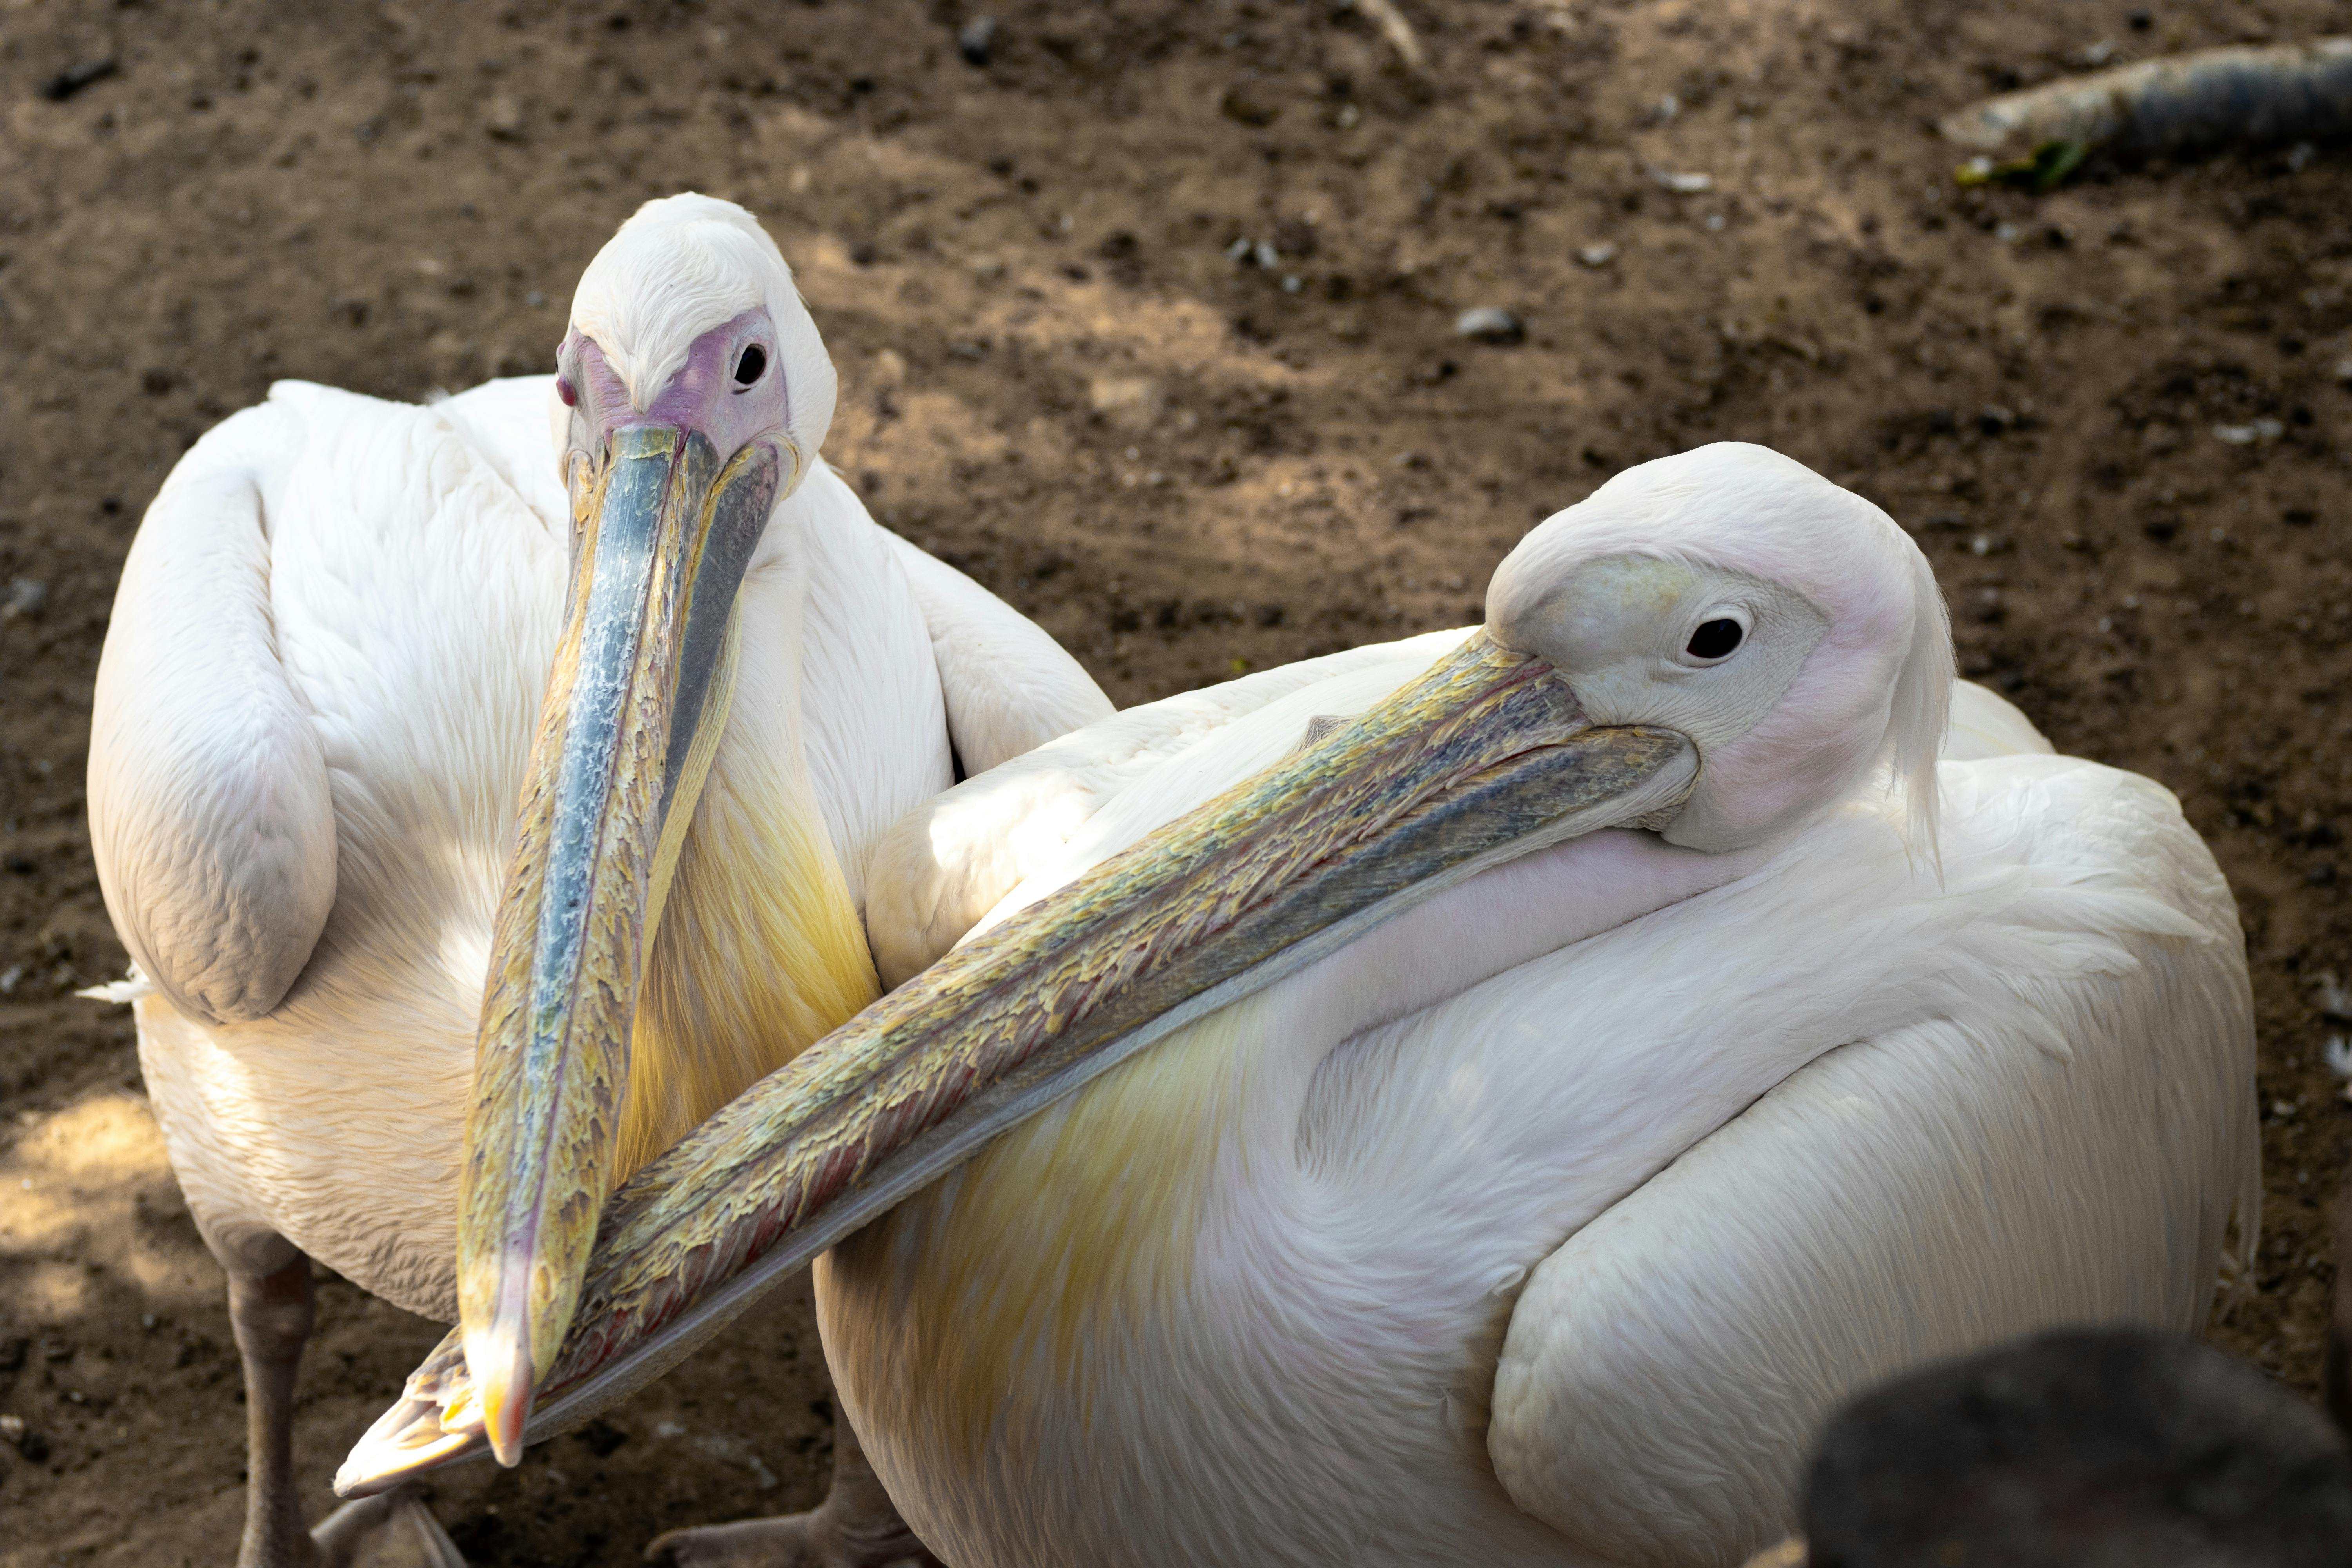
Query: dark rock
(2090, 1449)
(1248, 106)
(73, 78)
(1295, 236)
(976, 38)
(602, 1438)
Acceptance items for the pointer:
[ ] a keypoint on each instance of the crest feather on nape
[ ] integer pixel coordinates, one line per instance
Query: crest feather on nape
(1921, 709)
(679, 267)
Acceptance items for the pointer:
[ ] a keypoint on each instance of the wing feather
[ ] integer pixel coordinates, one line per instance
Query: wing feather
(210, 813)
(1009, 687)
(2067, 1139)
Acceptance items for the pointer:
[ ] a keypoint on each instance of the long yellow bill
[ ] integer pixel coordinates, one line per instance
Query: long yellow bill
(1486, 757)
(633, 707)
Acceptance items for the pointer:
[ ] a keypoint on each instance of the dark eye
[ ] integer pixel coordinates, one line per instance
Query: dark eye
(1713, 639)
(748, 368)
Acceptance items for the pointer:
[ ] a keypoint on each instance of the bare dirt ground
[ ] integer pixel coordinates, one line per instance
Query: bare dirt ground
(1148, 322)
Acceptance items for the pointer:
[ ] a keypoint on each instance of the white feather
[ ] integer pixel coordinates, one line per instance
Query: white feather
(314, 711)
(1755, 1124)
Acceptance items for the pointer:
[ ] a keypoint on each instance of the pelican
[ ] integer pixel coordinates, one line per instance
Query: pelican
(344, 649)
(1481, 1101)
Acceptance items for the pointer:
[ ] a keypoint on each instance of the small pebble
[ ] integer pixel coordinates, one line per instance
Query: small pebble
(502, 117)
(1600, 255)
(2247, 434)
(34, 1447)
(73, 78)
(976, 39)
(1490, 324)
(23, 599)
(1683, 184)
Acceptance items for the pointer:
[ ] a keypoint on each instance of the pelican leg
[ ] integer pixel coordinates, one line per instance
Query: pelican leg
(2335, 1381)
(272, 1314)
(856, 1526)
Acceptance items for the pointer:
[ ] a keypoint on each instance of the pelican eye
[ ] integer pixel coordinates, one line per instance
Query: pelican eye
(748, 368)
(1715, 639)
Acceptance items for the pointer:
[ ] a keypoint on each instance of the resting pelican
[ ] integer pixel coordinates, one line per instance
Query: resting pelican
(1500, 1129)
(344, 648)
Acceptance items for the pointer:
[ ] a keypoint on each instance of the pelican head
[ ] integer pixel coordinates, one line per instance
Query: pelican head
(1715, 646)
(692, 392)
(1787, 628)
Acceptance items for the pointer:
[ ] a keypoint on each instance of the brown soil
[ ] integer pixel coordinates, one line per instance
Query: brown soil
(1184, 465)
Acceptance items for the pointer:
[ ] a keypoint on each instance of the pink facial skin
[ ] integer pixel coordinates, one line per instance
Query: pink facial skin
(708, 394)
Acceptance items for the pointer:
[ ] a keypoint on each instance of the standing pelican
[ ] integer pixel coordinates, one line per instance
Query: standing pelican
(344, 648)
(1509, 1120)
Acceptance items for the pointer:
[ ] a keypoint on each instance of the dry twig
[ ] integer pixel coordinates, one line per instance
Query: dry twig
(2177, 104)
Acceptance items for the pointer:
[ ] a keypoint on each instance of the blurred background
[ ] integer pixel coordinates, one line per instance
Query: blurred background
(1150, 315)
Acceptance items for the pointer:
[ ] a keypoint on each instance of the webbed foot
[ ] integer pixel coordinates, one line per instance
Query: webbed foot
(822, 1538)
(395, 1529)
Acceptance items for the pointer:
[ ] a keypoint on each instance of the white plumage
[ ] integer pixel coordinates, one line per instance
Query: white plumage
(314, 720)
(354, 776)
(1544, 1223)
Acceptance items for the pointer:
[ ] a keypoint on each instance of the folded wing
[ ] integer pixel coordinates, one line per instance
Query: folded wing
(1665, 1368)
